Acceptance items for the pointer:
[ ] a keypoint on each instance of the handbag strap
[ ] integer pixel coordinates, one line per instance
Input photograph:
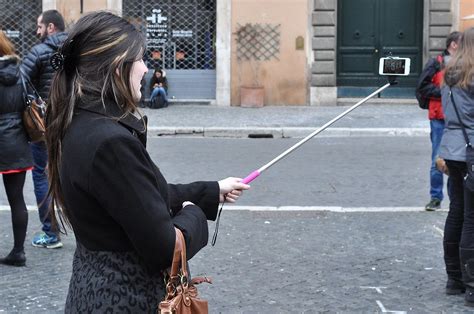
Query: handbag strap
(179, 256)
(25, 78)
(23, 84)
(466, 137)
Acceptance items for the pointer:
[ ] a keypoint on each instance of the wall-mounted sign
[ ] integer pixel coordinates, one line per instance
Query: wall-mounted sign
(12, 34)
(157, 28)
(182, 33)
(299, 43)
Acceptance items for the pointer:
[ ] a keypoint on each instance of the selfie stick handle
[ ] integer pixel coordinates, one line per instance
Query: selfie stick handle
(252, 176)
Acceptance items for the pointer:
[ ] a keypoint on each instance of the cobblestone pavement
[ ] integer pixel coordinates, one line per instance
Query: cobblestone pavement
(280, 262)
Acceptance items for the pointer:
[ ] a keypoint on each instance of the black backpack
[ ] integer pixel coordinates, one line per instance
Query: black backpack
(423, 102)
(425, 78)
(158, 102)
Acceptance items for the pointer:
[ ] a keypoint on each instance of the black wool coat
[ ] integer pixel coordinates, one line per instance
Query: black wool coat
(15, 152)
(119, 204)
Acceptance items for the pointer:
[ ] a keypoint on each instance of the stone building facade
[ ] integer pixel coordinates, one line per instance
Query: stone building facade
(303, 52)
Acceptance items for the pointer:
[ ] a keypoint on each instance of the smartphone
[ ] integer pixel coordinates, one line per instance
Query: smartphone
(394, 66)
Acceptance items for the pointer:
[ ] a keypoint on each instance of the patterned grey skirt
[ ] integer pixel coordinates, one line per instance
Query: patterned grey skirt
(112, 282)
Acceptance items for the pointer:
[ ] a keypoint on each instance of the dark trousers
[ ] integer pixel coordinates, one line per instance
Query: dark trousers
(455, 219)
(459, 227)
(460, 221)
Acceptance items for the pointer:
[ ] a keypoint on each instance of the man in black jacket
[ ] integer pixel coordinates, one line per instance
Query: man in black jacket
(36, 66)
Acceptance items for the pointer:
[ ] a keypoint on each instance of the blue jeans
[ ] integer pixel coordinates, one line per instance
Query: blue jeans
(159, 91)
(436, 176)
(40, 182)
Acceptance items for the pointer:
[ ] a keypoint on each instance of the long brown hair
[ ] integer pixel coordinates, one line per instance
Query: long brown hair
(98, 56)
(6, 46)
(460, 69)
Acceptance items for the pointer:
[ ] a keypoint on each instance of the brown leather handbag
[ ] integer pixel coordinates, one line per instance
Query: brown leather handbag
(33, 120)
(35, 110)
(181, 294)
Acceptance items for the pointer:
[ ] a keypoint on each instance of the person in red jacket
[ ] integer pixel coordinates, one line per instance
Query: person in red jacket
(429, 88)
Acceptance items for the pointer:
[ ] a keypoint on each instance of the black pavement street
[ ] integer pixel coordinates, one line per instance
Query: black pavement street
(280, 262)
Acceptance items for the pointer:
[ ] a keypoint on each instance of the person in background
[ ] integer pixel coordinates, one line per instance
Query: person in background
(15, 154)
(429, 87)
(159, 86)
(458, 241)
(36, 66)
(103, 181)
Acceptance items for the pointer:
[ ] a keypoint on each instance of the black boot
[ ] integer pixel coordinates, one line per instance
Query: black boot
(454, 284)
(14, 258)
(467, 267)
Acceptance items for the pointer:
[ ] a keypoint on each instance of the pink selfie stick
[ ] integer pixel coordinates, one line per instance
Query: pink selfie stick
(252, 176)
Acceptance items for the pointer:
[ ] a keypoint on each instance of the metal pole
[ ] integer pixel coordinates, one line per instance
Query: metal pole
(256, 173)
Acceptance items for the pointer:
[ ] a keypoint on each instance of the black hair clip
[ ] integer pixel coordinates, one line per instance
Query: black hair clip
(57, 61)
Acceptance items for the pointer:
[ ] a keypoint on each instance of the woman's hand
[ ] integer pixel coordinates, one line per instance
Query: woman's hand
(230, 189)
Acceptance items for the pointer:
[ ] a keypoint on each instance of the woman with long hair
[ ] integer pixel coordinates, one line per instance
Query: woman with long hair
(458, 239)
(103, 181)
(15, 154)
(159, 85)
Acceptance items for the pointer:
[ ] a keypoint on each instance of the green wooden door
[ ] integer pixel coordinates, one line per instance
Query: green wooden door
(371, 29)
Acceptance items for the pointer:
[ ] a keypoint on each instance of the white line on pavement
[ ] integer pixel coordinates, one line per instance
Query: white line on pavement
(382, 308)
(336, 209)
(378, 289)
(29, 207)
(439, 230)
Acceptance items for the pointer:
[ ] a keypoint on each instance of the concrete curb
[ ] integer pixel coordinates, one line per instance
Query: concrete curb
(280, 132)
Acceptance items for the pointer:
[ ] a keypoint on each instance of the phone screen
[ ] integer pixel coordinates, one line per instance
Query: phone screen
(394, 66)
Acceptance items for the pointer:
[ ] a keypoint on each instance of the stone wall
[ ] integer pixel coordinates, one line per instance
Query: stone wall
(324, 18)
(440, 24)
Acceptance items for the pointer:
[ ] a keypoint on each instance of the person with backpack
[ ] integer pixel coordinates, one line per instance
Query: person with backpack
(428, 94)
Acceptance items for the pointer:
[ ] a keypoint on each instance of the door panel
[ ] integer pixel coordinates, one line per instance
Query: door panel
(357, 63)
(358, 32)
(371, 29)
(357, 39)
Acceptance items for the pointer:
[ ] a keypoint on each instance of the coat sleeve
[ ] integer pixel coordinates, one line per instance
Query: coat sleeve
(31, 64)
(204, 194)
(425, 85)
(123, 182)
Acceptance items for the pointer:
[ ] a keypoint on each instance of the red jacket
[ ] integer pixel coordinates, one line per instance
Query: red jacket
(435, 108)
